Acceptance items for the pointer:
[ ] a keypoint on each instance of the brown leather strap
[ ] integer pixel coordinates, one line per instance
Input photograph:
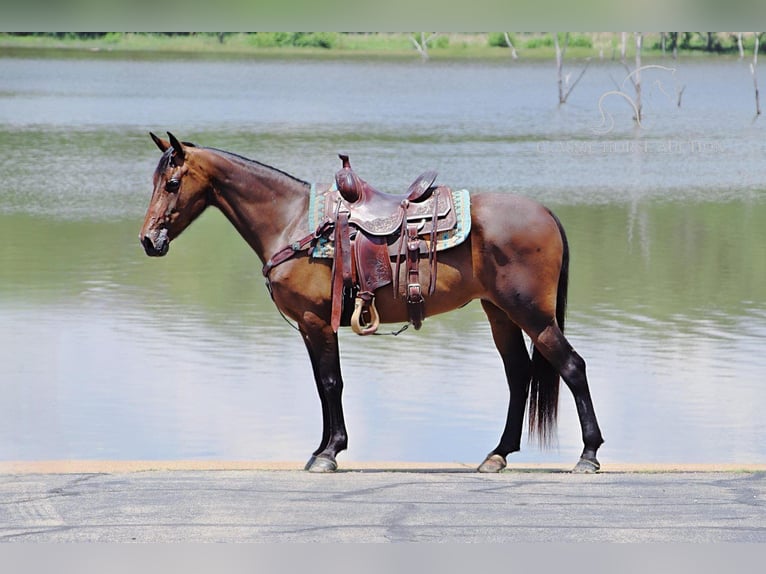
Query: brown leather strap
(415, 302)
(432, 251)
(402, 246)
(341, 267)
(344, 232)
(290, 251)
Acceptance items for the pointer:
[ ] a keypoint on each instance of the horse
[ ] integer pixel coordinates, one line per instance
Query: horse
(515, 261)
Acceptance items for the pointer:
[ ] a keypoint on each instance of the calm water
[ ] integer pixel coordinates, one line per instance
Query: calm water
(105, 353)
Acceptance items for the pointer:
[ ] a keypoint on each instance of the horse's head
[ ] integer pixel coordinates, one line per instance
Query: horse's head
(180, 195)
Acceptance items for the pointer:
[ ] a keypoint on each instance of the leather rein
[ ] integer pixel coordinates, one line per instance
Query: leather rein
(289, 251)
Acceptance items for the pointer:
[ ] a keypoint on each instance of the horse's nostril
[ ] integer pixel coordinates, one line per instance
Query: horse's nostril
(156, 246)
(149, 246)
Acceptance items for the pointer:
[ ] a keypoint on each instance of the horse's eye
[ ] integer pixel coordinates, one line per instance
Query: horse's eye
(172, 185)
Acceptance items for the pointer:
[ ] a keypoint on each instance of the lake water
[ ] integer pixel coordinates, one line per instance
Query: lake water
(107, 354)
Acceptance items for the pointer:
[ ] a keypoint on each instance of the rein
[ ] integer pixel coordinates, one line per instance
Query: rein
(290, 251)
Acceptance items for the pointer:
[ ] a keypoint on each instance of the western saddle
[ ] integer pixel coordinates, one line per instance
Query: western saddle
(373, 232)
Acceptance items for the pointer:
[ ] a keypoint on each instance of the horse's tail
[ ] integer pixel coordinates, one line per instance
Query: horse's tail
(544, 384)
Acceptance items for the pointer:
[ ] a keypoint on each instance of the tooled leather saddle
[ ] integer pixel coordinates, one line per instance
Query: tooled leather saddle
(374, 232)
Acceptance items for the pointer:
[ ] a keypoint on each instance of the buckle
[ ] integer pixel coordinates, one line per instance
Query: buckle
(414, 293)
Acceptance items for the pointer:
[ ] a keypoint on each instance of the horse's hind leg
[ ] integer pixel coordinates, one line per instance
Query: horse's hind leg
(510, 343)
(557, 350)
(322, 345)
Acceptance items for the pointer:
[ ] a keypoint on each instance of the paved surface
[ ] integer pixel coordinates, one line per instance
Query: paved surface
(448, 505)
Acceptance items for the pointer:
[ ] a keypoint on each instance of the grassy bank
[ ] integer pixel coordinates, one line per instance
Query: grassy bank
(448, 46)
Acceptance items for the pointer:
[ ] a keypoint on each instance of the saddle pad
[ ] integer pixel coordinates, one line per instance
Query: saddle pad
(444, 240)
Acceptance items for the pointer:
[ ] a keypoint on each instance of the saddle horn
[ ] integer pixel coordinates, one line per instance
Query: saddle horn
(348, 183)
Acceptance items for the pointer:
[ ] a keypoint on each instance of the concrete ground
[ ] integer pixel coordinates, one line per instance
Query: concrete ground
(252, 502)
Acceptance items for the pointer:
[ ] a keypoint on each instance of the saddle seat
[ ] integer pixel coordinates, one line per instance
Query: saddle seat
(360, 193)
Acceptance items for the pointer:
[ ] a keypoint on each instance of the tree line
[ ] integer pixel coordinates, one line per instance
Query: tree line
(711, 42)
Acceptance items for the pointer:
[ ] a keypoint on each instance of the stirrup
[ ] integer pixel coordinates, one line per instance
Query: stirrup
(356, 318)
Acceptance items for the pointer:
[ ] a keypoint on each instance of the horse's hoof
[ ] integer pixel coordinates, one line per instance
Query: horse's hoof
(321, 464)
(494, 463)
(586, 466)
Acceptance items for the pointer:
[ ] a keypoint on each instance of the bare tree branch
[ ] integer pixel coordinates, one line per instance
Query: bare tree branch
(422, 46)
(508, 42)
(582, 73)
(633, 102)
(564, 88)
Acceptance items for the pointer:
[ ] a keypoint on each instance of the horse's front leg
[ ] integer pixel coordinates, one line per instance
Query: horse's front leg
(322, 345)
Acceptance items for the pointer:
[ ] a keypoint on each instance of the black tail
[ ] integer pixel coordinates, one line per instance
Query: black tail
(544, 386)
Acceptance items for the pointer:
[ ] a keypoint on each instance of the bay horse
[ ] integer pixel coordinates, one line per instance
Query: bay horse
(515, 261)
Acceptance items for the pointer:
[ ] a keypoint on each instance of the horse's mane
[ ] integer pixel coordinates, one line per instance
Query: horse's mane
(251, 162)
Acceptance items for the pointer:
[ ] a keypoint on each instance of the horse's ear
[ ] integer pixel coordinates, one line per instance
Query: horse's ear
(178, 148)
(161, 143)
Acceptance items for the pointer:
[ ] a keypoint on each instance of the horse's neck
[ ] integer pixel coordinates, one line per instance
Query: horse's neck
(267, 207)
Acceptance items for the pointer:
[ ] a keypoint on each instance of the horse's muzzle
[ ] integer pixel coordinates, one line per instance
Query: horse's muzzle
(156, 244)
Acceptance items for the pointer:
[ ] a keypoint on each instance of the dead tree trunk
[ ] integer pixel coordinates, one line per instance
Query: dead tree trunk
(508, 43)
(564, 88)
(623, 46)
(422, 45)
(740, 46)
(560, 63)
(674, 43)
(753, 71)
(637, 81)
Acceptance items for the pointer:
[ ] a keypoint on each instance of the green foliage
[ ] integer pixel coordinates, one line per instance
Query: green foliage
(441, 42)
(265, 39)
(543, 41)
(686, 40)
(580, 41)
(575, 41)
(315, 39)
(113, 37)
(297, 39)
(712, 42)
(497, 40)
(534, 45)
